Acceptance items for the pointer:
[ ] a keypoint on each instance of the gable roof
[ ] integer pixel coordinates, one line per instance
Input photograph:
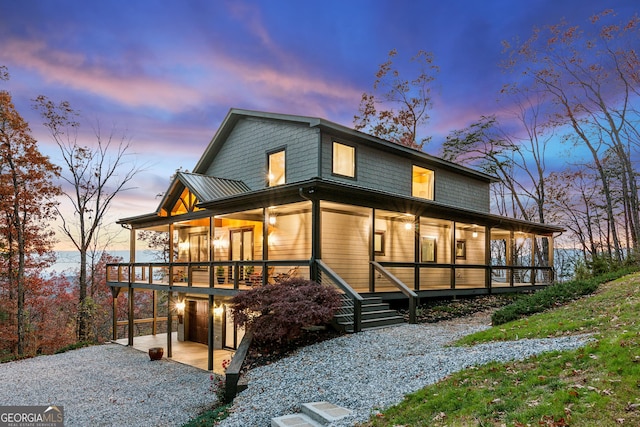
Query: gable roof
(235, 114)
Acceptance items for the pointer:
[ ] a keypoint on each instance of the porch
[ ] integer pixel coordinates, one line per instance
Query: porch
(186, 352)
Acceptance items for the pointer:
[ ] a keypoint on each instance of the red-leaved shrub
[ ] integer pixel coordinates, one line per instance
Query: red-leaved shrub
(277, 313)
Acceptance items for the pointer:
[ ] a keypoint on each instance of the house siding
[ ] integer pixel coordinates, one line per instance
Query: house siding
(243, 156)
(390, 173)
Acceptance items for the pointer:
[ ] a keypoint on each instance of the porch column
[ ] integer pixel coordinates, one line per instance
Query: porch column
(551, 260)
(416, 254)
(510, 257)
(169, 321)
(487, 257)
(372, 251)
(130, 323)
(154, 301)
(316, 247)
(114, 309)
(534, 250)
(453, 256)
(210, 334)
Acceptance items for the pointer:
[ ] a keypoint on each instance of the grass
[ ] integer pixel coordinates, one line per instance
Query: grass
(597, 385)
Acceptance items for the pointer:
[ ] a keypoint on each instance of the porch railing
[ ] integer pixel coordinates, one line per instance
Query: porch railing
(413, 297)
(222, 274)
(326, 276)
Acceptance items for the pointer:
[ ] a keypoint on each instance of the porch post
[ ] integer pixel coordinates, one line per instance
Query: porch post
(169, 322)
(316, 252)
(551, 260)
(416, 254)
(154, 301)
(534, 250)
(130, 323)
(453, 255)
(510, 257)
(114, 309)
(210, 334)
(487, 257)
(372, 251)
(265, 246)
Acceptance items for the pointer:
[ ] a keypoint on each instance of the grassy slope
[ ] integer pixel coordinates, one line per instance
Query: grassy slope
(598, 385)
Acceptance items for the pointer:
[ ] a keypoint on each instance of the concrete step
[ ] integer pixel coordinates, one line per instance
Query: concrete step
(294, 420)
(314, 414)
(324, 412)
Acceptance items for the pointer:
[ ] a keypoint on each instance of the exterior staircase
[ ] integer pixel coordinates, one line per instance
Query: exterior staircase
(375, 314)
(314, 414)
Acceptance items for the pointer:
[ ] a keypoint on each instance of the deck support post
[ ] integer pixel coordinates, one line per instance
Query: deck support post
(210, 335)
(169, 322)
(114, 310)
(130, 316)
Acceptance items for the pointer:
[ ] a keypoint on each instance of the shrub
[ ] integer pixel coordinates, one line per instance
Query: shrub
(559, 293)
(278, 313)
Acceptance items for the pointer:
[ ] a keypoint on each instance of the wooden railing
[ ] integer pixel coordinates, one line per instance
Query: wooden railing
(413, 297)
(232, 374)
(329, 277)
(227, 274)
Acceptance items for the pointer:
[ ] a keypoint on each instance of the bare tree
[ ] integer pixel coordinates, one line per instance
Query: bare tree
(95, 176)
(591, 79)
(398, 107)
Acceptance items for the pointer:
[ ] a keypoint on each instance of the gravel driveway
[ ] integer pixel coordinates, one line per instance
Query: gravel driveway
(108, 385)
(113, 385)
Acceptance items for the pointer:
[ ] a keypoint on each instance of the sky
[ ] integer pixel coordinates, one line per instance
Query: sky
(165, 73)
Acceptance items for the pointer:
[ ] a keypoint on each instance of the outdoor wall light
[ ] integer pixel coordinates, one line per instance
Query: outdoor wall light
(180, 309)
(183, 246)
(272, 219)
(408, 226)
(474, 234)
(218, 310)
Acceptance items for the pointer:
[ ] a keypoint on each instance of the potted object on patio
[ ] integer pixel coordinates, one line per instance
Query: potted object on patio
(155, 353)
(220, 274)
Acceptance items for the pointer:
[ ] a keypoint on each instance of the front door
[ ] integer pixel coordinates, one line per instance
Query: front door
(198, 321)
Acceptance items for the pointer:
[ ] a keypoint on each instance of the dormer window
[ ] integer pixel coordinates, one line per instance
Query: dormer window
(344, 160)
(276, 168)
(422, 183)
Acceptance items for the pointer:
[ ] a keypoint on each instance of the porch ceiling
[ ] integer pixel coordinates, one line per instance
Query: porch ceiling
(319, 189)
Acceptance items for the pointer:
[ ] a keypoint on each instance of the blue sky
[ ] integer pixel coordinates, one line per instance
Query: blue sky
(167, 72)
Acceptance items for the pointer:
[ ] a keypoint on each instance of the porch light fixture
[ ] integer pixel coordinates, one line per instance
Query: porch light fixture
(180, 309)
(408, 226)
(218, 310)
(272, 219)
(474, 234)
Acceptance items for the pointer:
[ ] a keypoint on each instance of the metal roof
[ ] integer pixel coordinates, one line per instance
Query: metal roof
(210, 188)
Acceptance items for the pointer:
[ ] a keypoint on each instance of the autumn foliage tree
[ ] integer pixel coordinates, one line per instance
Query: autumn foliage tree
(277, 313)
(398, 107)
(27, 204)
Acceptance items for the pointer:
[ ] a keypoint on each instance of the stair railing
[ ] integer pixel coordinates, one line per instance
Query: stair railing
(413, 297)
(339, 283)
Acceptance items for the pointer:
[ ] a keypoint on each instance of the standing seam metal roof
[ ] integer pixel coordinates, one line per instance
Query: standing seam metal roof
(210, 188)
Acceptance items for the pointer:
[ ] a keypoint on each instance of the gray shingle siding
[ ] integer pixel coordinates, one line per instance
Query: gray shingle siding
(243, 156)
(382, 171)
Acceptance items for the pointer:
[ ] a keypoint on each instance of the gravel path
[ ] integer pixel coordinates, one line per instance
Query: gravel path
(372, 370)
(113, 385)
(108, 385)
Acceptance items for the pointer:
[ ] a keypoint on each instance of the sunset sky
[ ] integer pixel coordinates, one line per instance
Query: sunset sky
(167, 72)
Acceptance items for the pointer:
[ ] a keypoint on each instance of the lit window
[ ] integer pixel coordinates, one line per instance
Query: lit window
(276, 169)
(422, 184)
(344, 160)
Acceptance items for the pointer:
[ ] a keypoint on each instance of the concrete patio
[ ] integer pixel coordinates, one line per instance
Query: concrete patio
(186, 352)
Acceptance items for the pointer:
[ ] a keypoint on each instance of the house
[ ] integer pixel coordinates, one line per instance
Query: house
(276, 195)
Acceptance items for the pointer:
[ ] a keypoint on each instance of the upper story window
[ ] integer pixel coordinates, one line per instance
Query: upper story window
(422, 183)
(344, 160)
(276, 166)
